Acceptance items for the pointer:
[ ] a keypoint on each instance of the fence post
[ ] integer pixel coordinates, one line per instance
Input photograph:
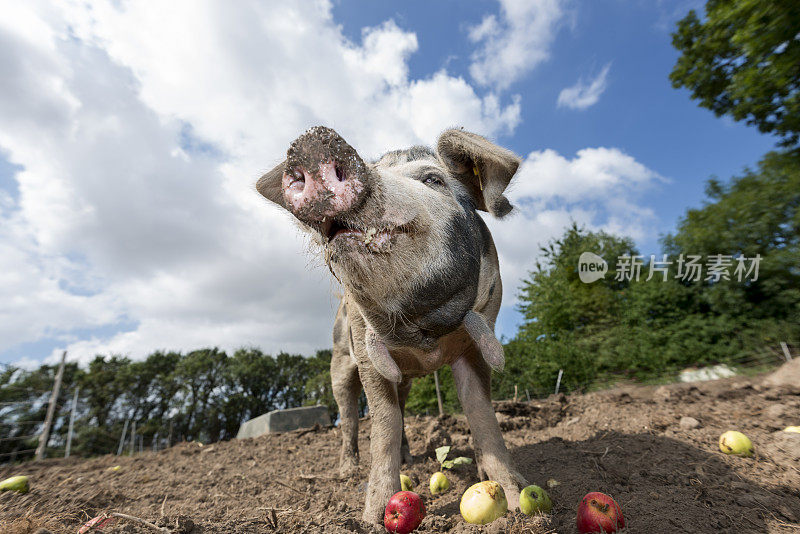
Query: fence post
(133, 437)
(71, 422)
(558, 381)
(786, 353)
(44, 437)
(438, 393)
(527, 394)
(122, 439)
(155, 442)
(169, 438)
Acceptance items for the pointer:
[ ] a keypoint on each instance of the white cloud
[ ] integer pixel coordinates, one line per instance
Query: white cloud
(584, 94)
(599, 189)
(142, 129)
(516, 43)
(593, 173)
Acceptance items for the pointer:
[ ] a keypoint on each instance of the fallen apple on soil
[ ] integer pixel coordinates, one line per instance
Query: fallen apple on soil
(439, 483)
(17, 483)
(406, 484)
(733, 442)
(404, 512)
(795, 429)
(483, 502)
(598, 512)
(534, 500)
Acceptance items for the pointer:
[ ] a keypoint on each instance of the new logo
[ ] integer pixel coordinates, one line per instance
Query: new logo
(591, 267)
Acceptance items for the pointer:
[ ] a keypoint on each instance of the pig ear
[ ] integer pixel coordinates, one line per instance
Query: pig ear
(269, 185)
(484, 168)
(380, 357)
(490, 348)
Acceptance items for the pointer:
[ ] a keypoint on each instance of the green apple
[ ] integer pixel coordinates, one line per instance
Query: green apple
(406, 484)
(18, 483)
(534, 500)
(439, 483)
(733, 442)
(483, 502)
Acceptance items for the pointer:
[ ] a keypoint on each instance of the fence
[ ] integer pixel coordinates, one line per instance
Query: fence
(41, 436)
(743, 364)
(34, 434)
(129, 441)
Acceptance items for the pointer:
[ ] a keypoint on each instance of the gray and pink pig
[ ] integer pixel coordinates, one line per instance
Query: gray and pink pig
(421, 284)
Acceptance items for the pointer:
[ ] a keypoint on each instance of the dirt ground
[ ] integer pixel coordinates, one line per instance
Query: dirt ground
(667, 474)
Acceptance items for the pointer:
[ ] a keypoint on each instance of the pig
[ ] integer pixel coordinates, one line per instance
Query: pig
(420, 281)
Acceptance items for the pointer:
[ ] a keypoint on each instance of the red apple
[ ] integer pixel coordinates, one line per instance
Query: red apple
(599, 513)
(404, 512)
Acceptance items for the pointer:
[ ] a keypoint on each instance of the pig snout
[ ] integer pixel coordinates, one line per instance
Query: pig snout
(324, 176)
(325, 193)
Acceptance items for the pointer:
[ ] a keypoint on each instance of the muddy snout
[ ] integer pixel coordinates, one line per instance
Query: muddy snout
(324, 176)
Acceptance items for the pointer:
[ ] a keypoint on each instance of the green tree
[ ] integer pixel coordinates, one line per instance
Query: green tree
(422, 397)
(201, 374)
(742, 60)
(645, 328)
(251, 375)
(318, 389)
(757, 214)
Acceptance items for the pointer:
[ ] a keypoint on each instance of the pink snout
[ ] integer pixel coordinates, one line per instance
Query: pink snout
(314, 196)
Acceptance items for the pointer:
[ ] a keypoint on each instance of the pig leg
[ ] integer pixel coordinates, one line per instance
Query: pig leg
(346, 391)
(402, 393)
(385, 441)
(473, 383)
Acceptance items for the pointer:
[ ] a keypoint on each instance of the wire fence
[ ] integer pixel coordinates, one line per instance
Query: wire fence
(126, 442)
(744, 364)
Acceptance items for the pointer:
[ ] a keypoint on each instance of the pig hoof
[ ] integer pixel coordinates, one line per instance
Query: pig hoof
(373, 514)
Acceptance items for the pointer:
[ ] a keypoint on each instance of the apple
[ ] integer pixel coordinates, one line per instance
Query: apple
(483, 502)
(404, 512)
(439, 483)
(733, 442)
(795, 429)
(17, 483)
(406, 484)
(534, 500)
(599, 513)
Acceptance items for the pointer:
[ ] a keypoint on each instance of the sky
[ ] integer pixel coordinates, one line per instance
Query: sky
(132, 134)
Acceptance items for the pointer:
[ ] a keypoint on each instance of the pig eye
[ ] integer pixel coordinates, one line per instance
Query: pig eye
(297, 176)
(432, 179)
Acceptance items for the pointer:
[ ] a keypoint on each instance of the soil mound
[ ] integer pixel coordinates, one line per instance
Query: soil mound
(628, 442)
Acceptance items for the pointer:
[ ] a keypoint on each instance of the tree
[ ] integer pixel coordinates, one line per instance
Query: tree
(201, 372)
(554, 300)
(643, 329)
(318, 387)
(743, 60)
(756, 214)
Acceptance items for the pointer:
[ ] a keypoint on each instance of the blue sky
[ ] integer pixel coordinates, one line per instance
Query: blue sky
(129, 142)
(639, 112)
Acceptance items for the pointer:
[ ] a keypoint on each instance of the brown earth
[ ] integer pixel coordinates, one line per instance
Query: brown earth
(630, 442)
